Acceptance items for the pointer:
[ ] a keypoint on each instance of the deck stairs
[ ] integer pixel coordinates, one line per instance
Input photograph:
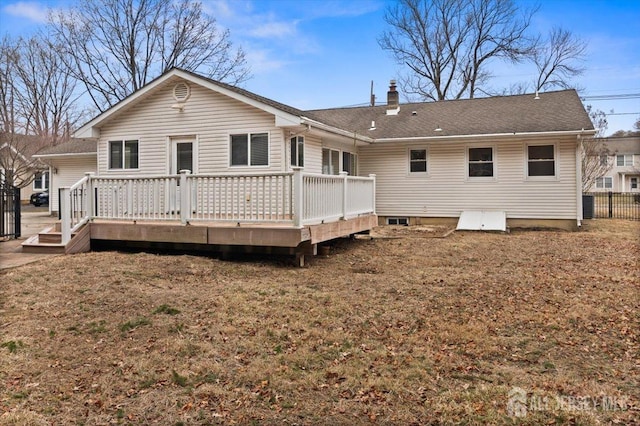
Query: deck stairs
(49, 241)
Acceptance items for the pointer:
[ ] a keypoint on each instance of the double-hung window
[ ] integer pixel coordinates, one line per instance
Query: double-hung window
(123, 154)
(418, 160)
(330, 161)
(350, 163)
(250, 149)
(541, 160)
(481, 162)
(41, 181)
(605, 182)
(297, 151)
(623, 160)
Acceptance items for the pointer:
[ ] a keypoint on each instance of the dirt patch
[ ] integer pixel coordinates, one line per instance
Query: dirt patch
(404, 330)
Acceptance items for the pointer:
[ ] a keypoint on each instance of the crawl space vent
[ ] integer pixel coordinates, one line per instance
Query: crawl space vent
(181, 92)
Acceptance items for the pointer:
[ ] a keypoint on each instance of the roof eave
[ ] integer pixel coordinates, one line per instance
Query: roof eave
(335, 130)
(67, 154)
(581, 132)
(92, 130)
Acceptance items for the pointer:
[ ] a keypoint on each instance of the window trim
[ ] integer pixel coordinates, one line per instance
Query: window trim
(633, 180)
(330, 162)
(249, 165)
(624, 160)
(355, 155)
(604, 186)
(123, 146)
(299, 140)
(398, 219)
(555, 161)
(426, 161)
(494, 161)
(41, 187)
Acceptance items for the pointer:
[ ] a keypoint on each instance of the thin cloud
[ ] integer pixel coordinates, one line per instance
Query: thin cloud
(32, 11)
(274, 30)
(261, 61)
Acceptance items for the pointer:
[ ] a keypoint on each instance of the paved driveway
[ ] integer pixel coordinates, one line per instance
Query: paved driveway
(34, 220)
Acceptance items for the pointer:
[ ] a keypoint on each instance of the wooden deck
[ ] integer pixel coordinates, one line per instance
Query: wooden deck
(292, 211)
(222, 237)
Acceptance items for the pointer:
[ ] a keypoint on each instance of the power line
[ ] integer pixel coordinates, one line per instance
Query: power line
(623, 113)
(611, 97)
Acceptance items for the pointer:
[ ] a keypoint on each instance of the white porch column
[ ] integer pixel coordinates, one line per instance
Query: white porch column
(89, 200)
(344, 194)
(298, 197)
(65, 215)
(373, 193)
(185, 197)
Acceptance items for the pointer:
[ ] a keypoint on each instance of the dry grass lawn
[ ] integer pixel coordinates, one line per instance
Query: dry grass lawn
(410, 329)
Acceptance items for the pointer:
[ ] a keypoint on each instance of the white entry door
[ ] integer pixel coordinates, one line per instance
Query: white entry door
(182, 158)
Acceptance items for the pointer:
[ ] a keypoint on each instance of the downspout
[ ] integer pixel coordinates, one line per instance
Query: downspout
(579, 181)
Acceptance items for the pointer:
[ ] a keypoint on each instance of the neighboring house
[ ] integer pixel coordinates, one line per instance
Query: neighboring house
(624, 160)
(432, 160)
(17, 164)
(68, 162)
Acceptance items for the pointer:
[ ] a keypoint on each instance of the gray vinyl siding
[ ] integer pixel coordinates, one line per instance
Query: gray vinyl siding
(68, 171)
(208, 117)
(446, 191)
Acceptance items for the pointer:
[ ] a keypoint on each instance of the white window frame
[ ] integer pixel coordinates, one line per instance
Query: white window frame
(231, 165)
(296, 143)
(633, 180)
(123, 143)
(627, 160)
(331, 171)
(601, 182)
(402, 221)
(426, 160)
(494, 161)
(555, 162)
(44, 183)
(342, 165)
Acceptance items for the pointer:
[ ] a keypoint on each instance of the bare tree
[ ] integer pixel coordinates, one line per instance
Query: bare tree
(8, 61)
(117, 46)
(448, 44)
(596, 161)
(47, 98)
(556, 59)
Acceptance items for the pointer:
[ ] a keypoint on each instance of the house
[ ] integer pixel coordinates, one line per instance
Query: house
(624, 175)
(67, 164)
(428, 161)
(19, 168)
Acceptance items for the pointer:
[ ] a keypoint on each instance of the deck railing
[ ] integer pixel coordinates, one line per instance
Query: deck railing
(296, 198)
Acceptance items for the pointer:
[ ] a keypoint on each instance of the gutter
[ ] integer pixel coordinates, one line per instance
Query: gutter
(335, 130)
(487, 136)
(69, 154)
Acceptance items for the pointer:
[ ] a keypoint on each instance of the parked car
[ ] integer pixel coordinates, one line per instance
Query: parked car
(40, 198)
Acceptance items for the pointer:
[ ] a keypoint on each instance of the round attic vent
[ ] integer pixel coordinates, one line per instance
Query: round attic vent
(181, 92)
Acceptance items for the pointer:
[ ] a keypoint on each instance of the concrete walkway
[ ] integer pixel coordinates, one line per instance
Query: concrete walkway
(34, 220)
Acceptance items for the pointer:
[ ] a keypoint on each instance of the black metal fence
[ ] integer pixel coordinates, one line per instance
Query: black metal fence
(9, 211)
(612, 205)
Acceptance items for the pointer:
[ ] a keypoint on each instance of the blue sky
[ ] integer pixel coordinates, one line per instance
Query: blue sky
(324, 53)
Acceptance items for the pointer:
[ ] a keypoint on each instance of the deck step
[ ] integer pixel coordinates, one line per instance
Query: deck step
(34, 245)
(49, 240)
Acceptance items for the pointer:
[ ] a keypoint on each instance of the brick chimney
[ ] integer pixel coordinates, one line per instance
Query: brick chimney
(393, 99)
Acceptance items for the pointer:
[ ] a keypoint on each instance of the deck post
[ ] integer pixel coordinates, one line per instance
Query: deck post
(65, 215)
(298, 197)
(89, 201)
(344, 175)
(185, 196)
(373, 193)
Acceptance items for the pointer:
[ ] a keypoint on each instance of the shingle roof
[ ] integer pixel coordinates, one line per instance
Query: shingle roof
(623, 144)
(72, 146)
(552, 112)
